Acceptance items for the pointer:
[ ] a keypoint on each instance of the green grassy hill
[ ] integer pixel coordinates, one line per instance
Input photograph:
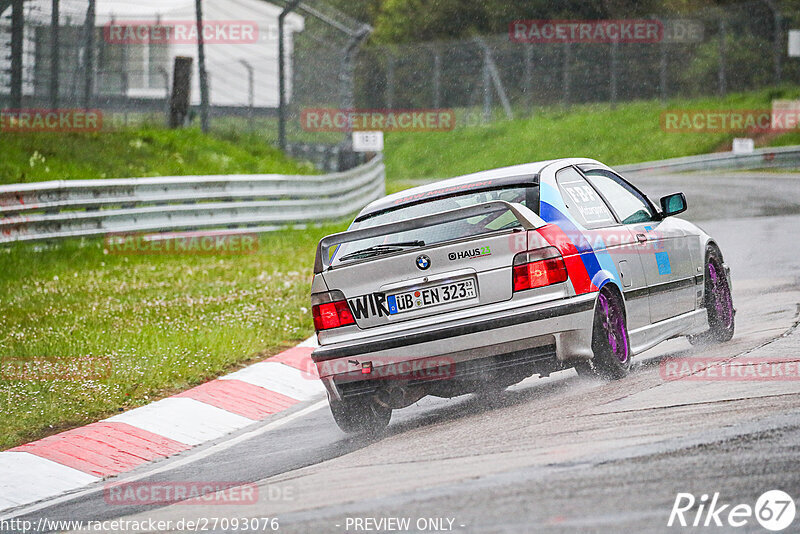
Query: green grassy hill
(627, 134)
(136, 152)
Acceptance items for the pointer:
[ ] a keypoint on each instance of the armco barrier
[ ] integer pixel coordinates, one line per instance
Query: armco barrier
(787, 156)
(73, 208)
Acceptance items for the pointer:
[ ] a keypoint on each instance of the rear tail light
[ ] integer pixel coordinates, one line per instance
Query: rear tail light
(538, 268)
(330, 310)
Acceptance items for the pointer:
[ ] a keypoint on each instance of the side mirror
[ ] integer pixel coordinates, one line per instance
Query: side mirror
(673, 204)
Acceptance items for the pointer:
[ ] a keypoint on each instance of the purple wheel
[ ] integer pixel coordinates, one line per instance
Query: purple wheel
(613, 322)
(718, 302)
(610, 343)
(720, 296)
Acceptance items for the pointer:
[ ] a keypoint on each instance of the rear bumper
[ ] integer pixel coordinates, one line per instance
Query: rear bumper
(565, 324)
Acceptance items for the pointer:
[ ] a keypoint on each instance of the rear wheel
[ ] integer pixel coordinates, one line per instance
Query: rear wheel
(718, 303)
(360, 415)
(610, 343)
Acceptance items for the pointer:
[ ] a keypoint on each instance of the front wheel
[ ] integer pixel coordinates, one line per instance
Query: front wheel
(718, 303)
(360, 415)
(610, 343)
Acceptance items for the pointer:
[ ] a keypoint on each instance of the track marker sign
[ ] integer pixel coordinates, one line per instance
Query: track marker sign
(794, 43)
(368, 141)
(743, 145)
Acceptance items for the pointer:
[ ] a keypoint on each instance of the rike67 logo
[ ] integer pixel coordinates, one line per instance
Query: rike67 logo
(774, 510)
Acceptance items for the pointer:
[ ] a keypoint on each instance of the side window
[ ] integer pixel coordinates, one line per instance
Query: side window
(583, 202)
(630, 206)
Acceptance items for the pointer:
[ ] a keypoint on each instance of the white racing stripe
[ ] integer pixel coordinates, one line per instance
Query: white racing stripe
(184, 420)
(28, 478)
(280, 378)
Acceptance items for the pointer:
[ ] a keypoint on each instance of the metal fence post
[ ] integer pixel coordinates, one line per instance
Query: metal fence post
(88, 87)
(662, 81)
(487, 87)
(390, 65)
(613, 77)
(17, 41)
(721, 75)
(55, 55)
(527, 79)
(778, 45)
(348, 78)
(437, 78)
(165, 75)
(282, 75)
(250, 90)
(201, 65)
(566, 89)
(126, 84)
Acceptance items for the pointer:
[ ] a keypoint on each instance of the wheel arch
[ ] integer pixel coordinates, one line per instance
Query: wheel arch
(610, 285)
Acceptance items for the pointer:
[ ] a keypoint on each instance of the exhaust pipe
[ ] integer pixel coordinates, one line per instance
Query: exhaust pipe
(396, 396)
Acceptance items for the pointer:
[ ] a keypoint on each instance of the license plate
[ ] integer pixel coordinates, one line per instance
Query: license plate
(431, 296)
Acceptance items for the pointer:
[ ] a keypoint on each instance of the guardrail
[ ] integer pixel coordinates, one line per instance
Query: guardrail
(787, 156)
(74, 208)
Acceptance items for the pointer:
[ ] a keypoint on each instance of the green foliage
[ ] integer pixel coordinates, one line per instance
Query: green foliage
(747, 63)
(405, 21)
(139, 152)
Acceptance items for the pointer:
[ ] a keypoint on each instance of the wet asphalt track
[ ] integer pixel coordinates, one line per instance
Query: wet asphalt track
(561, 454)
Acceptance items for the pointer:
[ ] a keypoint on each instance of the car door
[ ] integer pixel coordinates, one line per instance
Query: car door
(662, 246)
(605, 235)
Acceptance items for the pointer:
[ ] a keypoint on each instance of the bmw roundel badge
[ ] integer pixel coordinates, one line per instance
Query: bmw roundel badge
(423, 262)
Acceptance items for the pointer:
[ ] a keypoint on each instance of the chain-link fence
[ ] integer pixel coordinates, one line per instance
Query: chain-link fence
(324, 59)
(109, 55)
(709, 52)
(119, 58)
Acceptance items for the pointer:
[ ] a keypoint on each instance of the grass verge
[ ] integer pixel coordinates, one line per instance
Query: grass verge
(159, 324)
(138, 152)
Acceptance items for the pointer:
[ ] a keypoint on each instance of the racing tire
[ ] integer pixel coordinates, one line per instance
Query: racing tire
(718, 303)
(360, 415)
(610, 342)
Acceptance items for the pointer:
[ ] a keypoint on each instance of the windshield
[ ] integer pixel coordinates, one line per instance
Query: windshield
(491, 222)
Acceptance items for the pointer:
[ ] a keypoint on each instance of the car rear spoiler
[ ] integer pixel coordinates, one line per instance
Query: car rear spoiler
(527, 218)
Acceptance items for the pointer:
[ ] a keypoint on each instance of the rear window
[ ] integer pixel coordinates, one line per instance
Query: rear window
(525, 194)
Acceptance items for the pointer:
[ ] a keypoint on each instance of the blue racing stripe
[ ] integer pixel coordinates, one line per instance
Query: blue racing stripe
(554, 211)
(554, 216)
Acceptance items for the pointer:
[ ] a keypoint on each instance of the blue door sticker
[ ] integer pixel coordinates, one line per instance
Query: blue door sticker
(662, 260)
